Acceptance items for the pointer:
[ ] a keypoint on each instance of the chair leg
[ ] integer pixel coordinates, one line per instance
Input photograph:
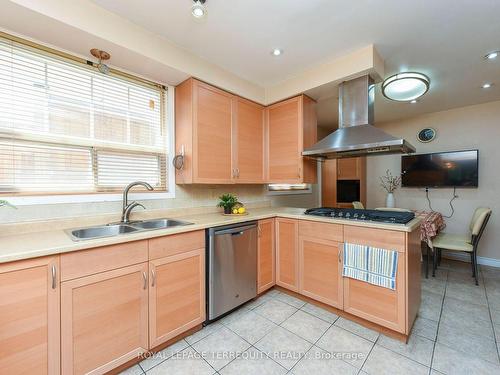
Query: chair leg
(472, 263)
(434, 264)
(475, 268)
(427, 260)
(439, 257)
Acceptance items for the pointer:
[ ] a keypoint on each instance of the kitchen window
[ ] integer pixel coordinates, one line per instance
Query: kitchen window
(66, 128)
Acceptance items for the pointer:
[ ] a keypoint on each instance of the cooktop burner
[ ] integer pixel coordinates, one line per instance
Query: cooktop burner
(394, 217)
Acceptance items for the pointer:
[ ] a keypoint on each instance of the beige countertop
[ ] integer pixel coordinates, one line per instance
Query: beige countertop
(35, 244)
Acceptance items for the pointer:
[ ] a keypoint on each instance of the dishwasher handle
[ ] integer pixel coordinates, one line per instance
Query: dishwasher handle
(235, 231)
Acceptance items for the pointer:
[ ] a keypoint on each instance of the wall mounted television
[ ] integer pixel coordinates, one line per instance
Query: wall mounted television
(440, 169)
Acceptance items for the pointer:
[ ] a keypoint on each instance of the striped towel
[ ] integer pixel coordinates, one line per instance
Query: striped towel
(373, 265)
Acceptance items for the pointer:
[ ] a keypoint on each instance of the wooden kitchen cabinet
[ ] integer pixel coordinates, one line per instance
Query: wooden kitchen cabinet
(380, 305)
(334, 172)
(266, 257)
(104, 319)
(287, 267)
(320, 262)
(29, 317)
(248, 141)
(176, 295)
(351, 168)
(291, 127)
(222, 136)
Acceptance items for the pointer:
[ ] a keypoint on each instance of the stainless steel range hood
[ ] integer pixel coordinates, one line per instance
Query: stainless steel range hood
(356, 135)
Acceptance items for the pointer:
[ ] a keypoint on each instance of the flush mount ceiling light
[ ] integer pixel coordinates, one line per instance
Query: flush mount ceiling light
(277, 52)
(492, 55)
(405, 87)
(199, 10)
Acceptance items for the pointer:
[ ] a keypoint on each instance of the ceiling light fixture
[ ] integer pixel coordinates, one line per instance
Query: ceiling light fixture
(102, 56)
(492, 55)
(277, 52)
(487, 85)
(199, 10)
(405, 87)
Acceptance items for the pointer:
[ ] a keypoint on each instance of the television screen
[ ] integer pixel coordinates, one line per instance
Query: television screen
(443, 169)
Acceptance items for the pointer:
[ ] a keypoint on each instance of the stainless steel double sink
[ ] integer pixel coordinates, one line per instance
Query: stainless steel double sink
(116, 229)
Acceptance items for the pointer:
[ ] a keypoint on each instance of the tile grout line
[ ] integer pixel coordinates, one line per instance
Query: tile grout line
(439, 321)
(491, 318)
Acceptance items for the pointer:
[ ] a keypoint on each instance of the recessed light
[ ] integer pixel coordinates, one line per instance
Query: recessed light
(413, 101)
(199, 10)
(277, 52)
(492, 55)
(405, 87)
(487, 85)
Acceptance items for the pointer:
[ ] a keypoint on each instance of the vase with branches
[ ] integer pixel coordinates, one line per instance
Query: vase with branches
(390, 183)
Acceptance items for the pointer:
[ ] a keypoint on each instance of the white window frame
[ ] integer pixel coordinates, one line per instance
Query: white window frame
(28, 200)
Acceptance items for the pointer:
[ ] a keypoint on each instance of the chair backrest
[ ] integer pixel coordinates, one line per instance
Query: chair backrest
(358, 205)
(478, 223)
(393, 209)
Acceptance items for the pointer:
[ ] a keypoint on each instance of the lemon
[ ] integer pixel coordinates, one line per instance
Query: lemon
(241, 210)
(235, 210)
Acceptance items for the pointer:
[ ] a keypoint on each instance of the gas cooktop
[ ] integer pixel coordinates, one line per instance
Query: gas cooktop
(393, 217)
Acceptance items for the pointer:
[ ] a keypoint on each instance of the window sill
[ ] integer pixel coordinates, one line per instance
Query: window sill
(84, 198)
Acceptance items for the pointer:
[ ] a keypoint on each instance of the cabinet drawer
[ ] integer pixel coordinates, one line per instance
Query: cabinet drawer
(88, 262)
(176, 243)
(381, 238)
(325, 231)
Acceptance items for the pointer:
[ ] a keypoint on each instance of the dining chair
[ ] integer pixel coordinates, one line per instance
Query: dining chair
(464, 243)
(358, 205)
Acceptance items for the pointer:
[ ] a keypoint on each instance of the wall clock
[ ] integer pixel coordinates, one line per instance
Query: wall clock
(426, 135)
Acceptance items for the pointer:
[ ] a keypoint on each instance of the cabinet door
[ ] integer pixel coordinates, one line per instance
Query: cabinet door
(29, 317)
(379, 305)
(248, 142)
(176, 295)
(212, 111)
(266, 256)
(329, 183)
(349, 168)
(320, 270)
(104, 320)
(285, 141)
(287, 253)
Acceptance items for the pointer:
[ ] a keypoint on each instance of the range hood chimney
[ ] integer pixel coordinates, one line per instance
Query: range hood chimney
(356, 135)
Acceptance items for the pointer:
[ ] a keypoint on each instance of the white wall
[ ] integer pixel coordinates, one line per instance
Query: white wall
(472, 127)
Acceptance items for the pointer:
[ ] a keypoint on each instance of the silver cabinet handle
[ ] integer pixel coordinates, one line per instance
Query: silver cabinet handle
(153, 277)
(145, 277)
(54, 277)
(238, 172)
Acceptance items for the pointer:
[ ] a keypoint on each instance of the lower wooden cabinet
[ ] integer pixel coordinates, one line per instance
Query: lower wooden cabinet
(29, 317)
(320, 270)
(266, 257)
(176, 295)
(104, 319)
(287, 266)
(380, 305)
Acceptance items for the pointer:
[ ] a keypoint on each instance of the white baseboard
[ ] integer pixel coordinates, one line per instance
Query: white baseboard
(465, 257)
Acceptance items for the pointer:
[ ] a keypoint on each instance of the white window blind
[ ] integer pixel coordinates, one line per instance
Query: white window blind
(65, 127)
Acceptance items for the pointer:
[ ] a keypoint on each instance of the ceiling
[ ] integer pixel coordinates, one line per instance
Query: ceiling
(444, 39)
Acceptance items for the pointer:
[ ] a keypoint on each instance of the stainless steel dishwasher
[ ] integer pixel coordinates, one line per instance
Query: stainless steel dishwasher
(232, 267)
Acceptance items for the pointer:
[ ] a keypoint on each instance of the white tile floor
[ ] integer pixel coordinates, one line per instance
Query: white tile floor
(456, 333)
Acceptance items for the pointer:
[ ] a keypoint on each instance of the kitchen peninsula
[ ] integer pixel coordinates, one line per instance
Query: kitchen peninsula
(153, 282)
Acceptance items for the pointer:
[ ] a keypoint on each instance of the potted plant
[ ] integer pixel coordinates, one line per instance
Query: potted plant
(227, 201)
(390, 183)
(6, 204)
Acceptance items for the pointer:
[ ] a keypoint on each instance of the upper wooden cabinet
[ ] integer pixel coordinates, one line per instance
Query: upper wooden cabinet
(29, 317)
(248, 142)
(291, 127)
(351, 168)
(222, 136)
